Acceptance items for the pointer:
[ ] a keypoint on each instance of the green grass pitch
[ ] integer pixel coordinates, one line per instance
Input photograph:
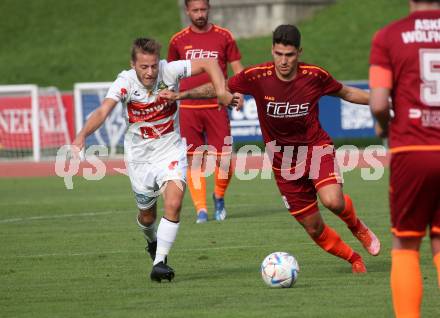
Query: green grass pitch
(79, 253)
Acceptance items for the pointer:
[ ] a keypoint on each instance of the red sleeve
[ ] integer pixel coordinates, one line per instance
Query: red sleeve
(330, 85)
(232, 51)
(379, 52)
(173, 53)
(240, 84)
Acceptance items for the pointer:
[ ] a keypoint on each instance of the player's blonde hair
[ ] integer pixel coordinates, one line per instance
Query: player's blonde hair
(145, 46)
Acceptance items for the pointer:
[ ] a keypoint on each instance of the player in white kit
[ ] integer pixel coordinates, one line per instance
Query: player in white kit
(154, 153)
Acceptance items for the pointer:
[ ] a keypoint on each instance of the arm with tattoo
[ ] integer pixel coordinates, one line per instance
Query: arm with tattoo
(201, 92)
(204, 91)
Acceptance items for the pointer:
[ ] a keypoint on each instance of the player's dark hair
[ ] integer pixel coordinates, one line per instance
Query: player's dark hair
(145, 46)
(287, 34)
(188, 1)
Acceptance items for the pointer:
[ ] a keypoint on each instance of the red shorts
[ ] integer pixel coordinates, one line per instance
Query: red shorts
(415, 193)
(299, 195)
(205, 126)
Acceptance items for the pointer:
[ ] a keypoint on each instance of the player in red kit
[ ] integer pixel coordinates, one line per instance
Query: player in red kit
(287, 92)
(202, 122)
(405, 65)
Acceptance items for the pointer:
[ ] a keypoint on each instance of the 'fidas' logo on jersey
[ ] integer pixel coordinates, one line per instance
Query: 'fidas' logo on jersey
(286, 110)
(200, 54)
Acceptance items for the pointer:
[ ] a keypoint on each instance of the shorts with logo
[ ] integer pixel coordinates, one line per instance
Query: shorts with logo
(206, 126)
(299, 195)
(148, 178)
(415, 193)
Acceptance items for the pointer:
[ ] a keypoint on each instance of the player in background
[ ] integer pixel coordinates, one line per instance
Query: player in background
(201, 121)
(155, 155)
(405, 64)
(287, 92)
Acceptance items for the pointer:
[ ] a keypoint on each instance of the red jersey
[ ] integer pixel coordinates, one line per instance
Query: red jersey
(288, 111)
(410, 49)
(216, 43)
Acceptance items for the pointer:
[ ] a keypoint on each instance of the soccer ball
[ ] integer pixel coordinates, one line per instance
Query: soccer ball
(279, 270)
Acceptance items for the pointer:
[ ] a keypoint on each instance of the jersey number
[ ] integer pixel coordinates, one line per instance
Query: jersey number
(430, 76)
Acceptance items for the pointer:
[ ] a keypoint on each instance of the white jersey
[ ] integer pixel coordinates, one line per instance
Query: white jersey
(152, 123)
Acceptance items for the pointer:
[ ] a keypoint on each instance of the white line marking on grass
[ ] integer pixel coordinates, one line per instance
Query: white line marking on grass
(140, 251)
(73, 254)
(21, 202)
(91, 214)
(60, 216)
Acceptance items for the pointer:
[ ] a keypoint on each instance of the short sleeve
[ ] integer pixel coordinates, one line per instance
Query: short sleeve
(330, 85)
(119, 89)
(176, 70)
(379, 54)
(232, 51)
(173, 52)
(240, 84)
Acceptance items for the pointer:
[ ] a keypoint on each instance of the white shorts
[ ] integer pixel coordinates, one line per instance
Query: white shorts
(147, 179)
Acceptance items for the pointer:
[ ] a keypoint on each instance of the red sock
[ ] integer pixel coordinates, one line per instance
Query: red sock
(330, 241)
(354, 257)
(406, 283)
(349, 213)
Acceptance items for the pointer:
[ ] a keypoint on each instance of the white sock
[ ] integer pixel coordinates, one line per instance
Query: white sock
(148, 231)
(166, 235)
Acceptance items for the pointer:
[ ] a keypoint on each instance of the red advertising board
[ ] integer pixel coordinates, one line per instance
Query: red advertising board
(16, 121)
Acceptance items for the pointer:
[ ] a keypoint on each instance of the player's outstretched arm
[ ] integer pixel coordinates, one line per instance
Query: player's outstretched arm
(353, 95)
(200, 92)
(94, 122)
(211, 67)
(236, 66)
(380, 107)
(204, 91)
